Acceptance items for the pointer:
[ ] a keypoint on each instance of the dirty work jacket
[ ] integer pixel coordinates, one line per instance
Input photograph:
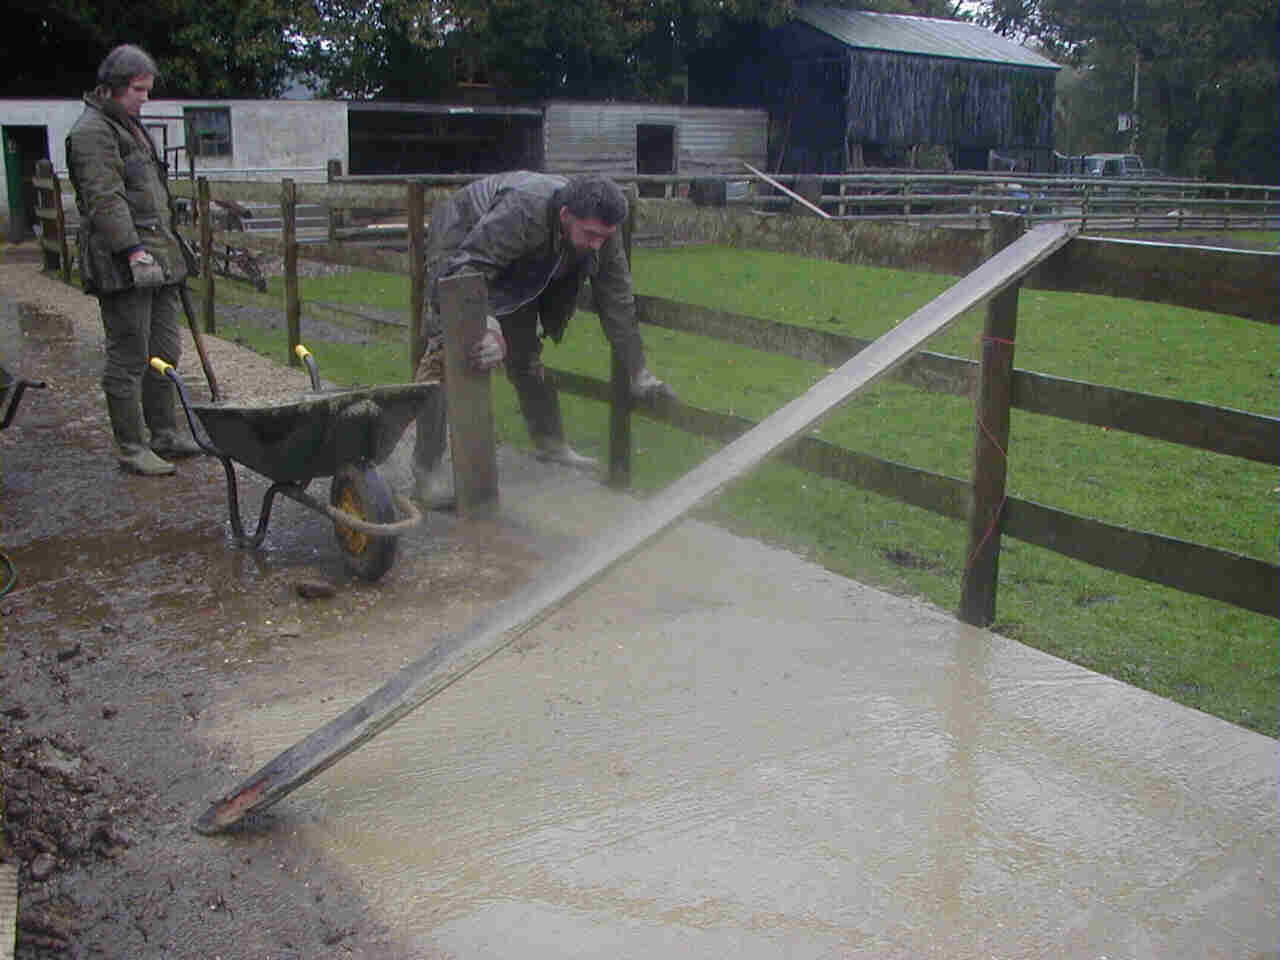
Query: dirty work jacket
(122, 197)
(507, 228)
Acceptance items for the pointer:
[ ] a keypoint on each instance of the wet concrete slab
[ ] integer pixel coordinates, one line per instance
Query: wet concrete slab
(717, 749)
(722, 749)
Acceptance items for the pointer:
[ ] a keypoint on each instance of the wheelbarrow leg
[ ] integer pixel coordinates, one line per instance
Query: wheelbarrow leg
(264, 515)
(11, 391)
(288, 488)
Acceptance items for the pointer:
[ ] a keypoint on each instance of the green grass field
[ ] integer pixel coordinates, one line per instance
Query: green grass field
(1199, 652)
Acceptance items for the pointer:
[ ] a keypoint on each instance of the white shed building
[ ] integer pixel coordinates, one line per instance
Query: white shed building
(272, 139)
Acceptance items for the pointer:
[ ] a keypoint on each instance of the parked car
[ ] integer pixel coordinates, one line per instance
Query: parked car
(1112, 165)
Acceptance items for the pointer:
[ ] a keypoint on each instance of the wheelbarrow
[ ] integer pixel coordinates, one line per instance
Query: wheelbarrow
(343, 434)
(11, 390)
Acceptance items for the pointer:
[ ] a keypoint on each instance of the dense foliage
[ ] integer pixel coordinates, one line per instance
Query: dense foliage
(210, 48)
(1205, 73)
(1206, 69)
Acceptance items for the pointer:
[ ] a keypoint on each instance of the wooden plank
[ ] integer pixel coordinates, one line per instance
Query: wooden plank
(1240, 283)
(337, 253)
(380, 196)
(1233, 433)
(790, 193)
(452, 657)
(1190, 567)
(934, 372)
(468, 395)
(990, 444)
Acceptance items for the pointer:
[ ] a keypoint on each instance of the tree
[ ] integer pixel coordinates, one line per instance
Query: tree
(204, 48)
(1205, 71)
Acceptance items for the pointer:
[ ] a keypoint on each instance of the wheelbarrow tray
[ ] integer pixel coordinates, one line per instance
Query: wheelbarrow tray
(316, 434)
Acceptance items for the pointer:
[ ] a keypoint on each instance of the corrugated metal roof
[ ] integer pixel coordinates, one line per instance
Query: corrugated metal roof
(921, 35)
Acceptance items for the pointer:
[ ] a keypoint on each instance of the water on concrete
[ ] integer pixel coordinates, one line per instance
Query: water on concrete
(721, 749)
(718, 749)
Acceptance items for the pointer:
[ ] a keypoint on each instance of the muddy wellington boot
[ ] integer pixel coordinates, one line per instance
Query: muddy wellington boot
(167, 439)
(131, 437)
(432, 469)
(540, 404)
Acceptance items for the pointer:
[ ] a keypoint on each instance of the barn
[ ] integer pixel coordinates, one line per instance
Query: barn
(849, 89)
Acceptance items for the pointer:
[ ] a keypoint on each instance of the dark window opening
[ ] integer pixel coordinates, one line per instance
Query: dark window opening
(208, 131)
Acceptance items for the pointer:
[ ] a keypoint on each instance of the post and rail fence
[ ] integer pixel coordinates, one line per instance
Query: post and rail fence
(1237, 283)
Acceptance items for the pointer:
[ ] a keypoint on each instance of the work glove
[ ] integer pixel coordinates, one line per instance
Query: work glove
(146, 272)
(645, 386)
(490, 350)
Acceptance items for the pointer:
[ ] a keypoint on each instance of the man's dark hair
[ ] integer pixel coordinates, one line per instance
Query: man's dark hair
(122, 64)
(595, 197)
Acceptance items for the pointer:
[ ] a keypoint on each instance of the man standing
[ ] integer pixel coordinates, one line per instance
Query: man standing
(131, 258)
(535, 238)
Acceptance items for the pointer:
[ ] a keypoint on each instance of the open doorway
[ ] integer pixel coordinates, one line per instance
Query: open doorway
(24, 147)
(655, 154)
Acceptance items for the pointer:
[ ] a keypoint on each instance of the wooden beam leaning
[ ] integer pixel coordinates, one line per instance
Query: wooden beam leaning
(464, 302)
(455, 655)
(790, 193)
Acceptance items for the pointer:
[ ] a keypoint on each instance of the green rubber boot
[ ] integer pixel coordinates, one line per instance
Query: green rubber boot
(130, 433)
(162, 419)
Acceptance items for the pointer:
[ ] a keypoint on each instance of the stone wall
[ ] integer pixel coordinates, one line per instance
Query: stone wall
(931, 249)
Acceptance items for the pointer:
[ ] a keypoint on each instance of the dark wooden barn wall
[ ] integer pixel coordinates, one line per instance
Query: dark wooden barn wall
(902, 100)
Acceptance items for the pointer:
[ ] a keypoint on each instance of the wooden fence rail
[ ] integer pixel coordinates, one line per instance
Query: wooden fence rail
(1098, 203)
(1243, 285)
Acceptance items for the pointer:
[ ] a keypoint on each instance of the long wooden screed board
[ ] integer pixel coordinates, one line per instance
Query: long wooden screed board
(455, 655)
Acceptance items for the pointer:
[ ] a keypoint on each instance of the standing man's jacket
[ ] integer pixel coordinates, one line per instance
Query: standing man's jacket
(507, 228)
(122, 197)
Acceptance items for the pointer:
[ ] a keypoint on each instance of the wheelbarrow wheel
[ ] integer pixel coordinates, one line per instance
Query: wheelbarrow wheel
(358, 489)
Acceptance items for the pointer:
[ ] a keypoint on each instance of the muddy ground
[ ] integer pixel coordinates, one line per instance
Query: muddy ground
(130, 614)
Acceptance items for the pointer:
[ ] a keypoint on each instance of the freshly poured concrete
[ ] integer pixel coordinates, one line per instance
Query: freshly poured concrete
(722, 750)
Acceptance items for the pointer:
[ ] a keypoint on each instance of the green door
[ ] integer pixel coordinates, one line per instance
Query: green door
(24, 147)
(18, 225)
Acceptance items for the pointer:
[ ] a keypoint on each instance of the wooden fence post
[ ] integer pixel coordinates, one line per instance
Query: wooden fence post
(289, 234)
(991, 440)
(620, 380)
(468, 395)
(206, 255)
(333, 170)
(417, 271)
